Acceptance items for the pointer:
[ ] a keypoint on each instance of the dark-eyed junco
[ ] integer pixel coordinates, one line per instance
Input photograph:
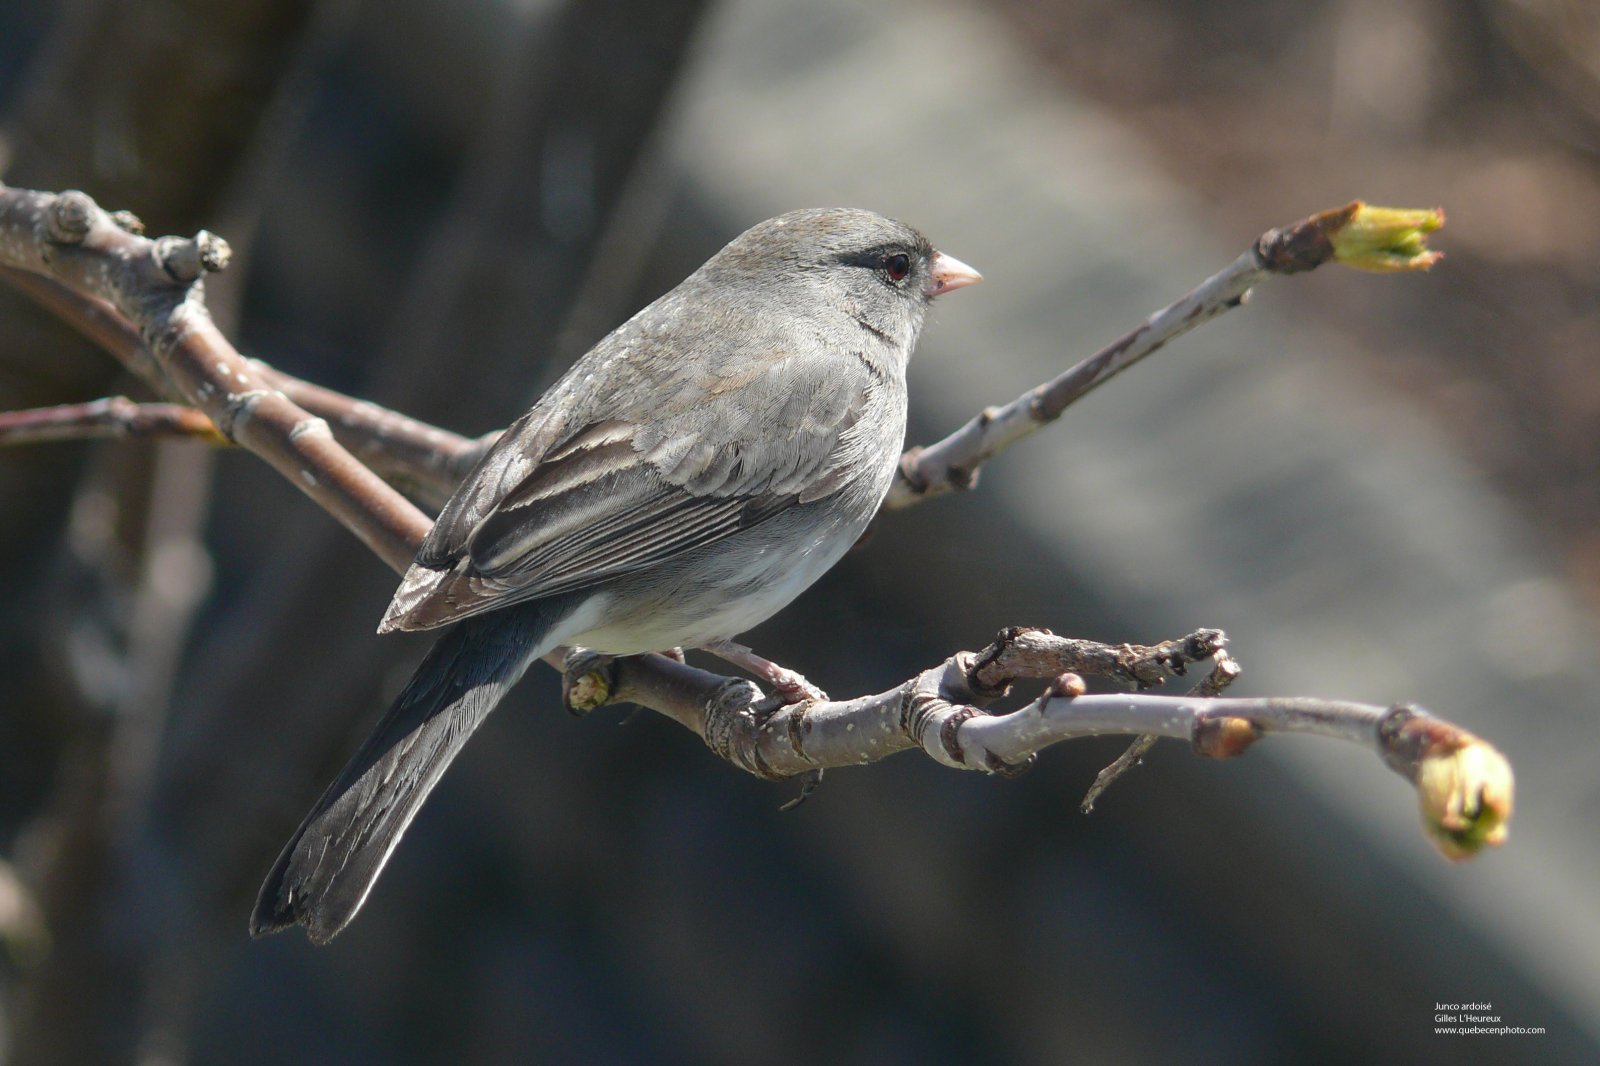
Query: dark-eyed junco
(689, 476)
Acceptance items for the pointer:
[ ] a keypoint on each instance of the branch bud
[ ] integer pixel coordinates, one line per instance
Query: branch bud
(1386, 239)
(185, 259)
(70, 217)
(128, 222)
(1465, 795)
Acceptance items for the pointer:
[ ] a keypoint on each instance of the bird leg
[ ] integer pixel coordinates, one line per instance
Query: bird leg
(792, 686)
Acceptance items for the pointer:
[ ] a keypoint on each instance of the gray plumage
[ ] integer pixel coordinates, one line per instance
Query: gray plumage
(690, 475)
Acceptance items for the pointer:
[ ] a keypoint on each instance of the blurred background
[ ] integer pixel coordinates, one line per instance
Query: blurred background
(1382, 488)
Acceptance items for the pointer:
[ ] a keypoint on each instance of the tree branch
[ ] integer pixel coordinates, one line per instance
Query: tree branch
(115, 416)
(434, 460)
(1224, 672)
(400, 449)
(109, 279)
(157, 286)
(1464, 785)
(1364, 237)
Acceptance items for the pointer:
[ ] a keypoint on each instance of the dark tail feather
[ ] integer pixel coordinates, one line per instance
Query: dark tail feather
(330, 864)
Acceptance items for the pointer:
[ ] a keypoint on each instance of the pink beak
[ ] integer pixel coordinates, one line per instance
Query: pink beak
(949, 273)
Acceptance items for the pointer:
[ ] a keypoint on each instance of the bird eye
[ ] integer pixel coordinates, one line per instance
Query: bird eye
(897, 266)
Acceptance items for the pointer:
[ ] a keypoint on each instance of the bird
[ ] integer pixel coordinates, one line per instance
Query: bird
(689, 476)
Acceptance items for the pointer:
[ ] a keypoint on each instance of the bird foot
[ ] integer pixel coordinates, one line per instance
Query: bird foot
(790, 685)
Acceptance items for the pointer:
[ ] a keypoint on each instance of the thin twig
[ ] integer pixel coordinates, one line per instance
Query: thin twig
(1133, 756)
(402, 450)
(1224, 671)
(114, 416)
(953, 463)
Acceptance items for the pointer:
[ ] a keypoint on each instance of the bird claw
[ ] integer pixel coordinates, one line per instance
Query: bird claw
(788, 685)
(792, 686)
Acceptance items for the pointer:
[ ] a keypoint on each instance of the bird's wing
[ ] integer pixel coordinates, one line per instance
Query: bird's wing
(657, 479)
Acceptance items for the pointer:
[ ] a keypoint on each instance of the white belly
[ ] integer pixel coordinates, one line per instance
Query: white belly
(691, 610)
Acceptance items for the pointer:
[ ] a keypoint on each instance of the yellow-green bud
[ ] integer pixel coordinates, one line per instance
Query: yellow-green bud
(1465, 796)
(1387, 239)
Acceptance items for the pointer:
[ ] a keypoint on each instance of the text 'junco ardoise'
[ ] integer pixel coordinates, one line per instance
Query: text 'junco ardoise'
(689, 476)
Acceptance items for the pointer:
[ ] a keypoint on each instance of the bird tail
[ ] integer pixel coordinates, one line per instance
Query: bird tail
(334, 858)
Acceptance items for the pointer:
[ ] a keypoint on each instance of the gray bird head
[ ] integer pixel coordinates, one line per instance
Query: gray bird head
(876, 271)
